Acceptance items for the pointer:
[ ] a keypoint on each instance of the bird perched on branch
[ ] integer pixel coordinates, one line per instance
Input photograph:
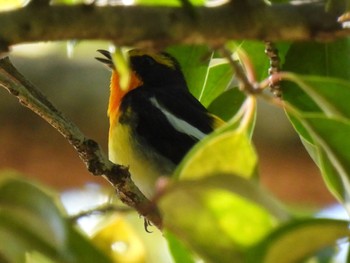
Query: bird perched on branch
(154, 120)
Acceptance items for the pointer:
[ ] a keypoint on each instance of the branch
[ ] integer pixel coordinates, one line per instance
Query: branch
(89, 151)
(132, 25)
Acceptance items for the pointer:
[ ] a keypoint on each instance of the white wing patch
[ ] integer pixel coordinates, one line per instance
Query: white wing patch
(179, 125)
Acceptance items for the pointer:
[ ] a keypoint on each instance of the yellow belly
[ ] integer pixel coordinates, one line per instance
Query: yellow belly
(144, 164)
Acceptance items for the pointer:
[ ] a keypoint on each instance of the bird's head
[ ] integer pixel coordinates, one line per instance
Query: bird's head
(147, 68)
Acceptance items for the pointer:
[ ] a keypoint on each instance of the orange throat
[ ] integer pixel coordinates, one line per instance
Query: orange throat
(117, 94)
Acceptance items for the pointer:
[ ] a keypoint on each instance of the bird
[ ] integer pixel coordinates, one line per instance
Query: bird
(155, 120)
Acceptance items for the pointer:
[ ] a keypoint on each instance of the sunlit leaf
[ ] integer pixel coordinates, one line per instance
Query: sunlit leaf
(230, 152)
(30, 220)
(121, 60)
(10, 4)
(298, 240)
(217, 81)
(226, 150)
(69, 2)
(168, 2)
(230, 209)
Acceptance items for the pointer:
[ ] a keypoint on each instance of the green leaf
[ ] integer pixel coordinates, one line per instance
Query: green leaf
(329, 142)
(320, 94)
(229, 152)
(324, 59)
(30, 220)
(227, 104)
(194, 61)
(298, 240)
(218, 79)
(226, 150)
(168, 2)
(322, 97)
(180, 253)
(256, 52)
(332, 136)
(230, 209)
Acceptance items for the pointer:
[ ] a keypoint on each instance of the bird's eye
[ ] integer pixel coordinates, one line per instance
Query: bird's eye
(149, 61)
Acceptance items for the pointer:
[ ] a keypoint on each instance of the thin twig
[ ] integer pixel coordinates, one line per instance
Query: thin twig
(100, 210)
(245, 84)
(88, 150)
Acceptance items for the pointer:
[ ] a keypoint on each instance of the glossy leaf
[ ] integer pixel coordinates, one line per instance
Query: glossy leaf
(31, 220)
(320, 94)
(332, 136)
(217, 81)
(298, 240)
(230, 209)
(227, 150)
(323, 97)
(194, 61)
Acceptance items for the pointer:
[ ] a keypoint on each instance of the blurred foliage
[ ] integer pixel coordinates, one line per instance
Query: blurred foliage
(216, 210)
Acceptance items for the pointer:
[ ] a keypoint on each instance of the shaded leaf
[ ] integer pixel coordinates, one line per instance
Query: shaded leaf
(194, 61)
(30, 220)
(320, 94)
(256, 52)
(335, 154)
(227, 104)
(325, 59)
(298, 240)
(316, 98)
(180, 253)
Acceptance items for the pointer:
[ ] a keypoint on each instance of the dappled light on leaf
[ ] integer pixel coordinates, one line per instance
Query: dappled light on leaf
(230, 152)
(229, 207)
(227, 150)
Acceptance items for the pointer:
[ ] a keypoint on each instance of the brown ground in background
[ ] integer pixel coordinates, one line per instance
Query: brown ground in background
(287, 172)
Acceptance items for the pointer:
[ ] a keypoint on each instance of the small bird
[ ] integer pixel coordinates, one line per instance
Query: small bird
(155, 121)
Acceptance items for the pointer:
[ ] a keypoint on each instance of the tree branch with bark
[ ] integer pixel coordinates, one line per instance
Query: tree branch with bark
(164, 25)
(88, 150)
